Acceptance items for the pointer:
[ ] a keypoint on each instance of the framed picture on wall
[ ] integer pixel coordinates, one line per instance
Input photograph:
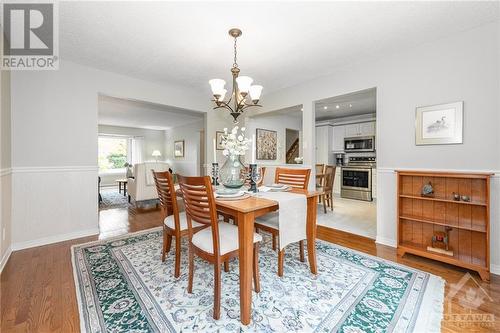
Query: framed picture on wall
(267, 144)
(218, 140)
(179, 148)
(439, 124)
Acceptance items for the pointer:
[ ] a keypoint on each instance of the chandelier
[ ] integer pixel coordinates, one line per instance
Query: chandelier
(244, 94)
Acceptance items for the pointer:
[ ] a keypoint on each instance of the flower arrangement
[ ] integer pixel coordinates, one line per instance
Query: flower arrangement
(235, 143)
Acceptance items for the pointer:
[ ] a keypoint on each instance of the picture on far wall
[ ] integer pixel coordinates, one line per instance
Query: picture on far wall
(218, 140)
(179, 148)
(439, 124)
(267, 144)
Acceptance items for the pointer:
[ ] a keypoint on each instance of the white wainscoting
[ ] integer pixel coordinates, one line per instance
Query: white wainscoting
(5, 216)
(53, 204)
(387, 210)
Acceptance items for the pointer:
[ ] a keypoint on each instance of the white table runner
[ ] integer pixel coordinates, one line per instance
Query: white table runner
(292, 216)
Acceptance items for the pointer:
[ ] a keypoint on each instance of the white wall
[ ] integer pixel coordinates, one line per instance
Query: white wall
(5, 168)
(54, 160)
(276, 122)
(462, 67)
(189, 165)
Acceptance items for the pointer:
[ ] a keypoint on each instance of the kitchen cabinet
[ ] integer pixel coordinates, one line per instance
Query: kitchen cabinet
(337, 180)
(338, 138)
(351, 130)
(374, 183)
(360, 129)
(367, 129)
(323, 144)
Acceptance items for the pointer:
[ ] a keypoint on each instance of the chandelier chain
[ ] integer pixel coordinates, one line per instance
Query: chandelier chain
(235, 64)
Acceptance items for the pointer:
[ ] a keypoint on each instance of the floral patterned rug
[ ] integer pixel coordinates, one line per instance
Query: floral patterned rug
(122, 286)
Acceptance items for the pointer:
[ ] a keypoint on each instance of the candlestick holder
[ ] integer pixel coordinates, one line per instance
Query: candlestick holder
(215, 174)
(253, 175)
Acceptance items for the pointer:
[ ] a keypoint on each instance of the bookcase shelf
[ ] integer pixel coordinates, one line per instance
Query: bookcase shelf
(466, 222)
(443, 200)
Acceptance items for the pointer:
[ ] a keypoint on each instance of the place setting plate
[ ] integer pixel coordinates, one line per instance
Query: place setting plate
(278, 187)
(230, 194)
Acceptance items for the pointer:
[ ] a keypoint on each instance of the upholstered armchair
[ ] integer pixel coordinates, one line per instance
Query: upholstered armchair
(142, 186)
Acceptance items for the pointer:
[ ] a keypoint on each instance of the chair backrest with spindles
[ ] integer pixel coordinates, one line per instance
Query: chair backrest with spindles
(164, 182)
(329, 177)
(199, 200)
(298, 178)
(320, 169)
(263, 171)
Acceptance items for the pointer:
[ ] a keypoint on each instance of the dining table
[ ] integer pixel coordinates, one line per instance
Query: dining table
(244, 212)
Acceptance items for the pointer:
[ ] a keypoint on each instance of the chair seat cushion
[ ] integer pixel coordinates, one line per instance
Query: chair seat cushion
(270, 220)
(169, 222)
(228, 235)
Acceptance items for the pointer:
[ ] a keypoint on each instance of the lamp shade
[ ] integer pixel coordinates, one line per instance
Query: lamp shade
(222, 95)
(156, 153)
(255, 92)
(244, 83)
(217, 86)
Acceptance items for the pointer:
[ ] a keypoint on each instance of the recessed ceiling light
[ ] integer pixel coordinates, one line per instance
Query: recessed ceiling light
(337, 106)
(325, 107)
(350, 105)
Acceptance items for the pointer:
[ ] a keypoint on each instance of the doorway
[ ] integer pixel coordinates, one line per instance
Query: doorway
(346, 145)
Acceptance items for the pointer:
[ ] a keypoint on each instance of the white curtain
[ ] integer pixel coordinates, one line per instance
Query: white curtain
(136, 149)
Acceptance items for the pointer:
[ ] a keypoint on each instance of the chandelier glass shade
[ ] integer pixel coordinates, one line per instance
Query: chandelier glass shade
(243, 95)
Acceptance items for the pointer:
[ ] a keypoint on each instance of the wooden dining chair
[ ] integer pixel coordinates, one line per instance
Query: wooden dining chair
(327, 196)
(215, 242)
(320, 169)
(297, 178)
(263, 171)
(174, 221)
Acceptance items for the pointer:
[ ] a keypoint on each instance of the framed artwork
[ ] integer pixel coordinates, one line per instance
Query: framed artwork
(218, 140)
(267, 144)
(179, 148)
(439, 124)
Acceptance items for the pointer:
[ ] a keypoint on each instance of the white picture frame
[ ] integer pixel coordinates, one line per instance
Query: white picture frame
(439, 124)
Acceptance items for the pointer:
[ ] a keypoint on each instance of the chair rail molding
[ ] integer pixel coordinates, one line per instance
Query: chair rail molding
(38, 169)
(5, 171)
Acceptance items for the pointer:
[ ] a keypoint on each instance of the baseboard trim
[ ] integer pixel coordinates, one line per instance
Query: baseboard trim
(386, 241)
(495, 269)
(54, 239)
(5, 258)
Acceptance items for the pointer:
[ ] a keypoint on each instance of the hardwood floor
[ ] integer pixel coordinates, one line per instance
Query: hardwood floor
(38, 293)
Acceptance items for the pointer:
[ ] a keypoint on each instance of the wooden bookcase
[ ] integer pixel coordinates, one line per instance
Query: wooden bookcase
(419, 217)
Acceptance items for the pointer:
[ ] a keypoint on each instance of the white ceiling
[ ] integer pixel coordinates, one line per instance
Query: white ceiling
(283, 44)
(129, 113)
(352, 104)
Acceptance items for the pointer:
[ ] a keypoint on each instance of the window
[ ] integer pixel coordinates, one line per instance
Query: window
(112, 152)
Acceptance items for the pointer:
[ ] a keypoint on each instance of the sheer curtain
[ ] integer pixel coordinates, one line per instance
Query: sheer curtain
(136, 149)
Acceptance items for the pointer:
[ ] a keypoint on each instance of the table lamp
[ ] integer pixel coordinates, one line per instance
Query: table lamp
(156, 154)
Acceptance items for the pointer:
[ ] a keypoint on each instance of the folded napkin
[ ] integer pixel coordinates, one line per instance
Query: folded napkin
(291, 217)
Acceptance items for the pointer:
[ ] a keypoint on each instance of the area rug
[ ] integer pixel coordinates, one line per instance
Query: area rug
(112, 199)
(122, 286)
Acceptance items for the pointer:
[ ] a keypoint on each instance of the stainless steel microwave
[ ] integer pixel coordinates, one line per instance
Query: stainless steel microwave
(359, 144)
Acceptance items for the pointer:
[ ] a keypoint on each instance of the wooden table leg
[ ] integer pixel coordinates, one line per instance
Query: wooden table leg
(245, 239)
(312, 203)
